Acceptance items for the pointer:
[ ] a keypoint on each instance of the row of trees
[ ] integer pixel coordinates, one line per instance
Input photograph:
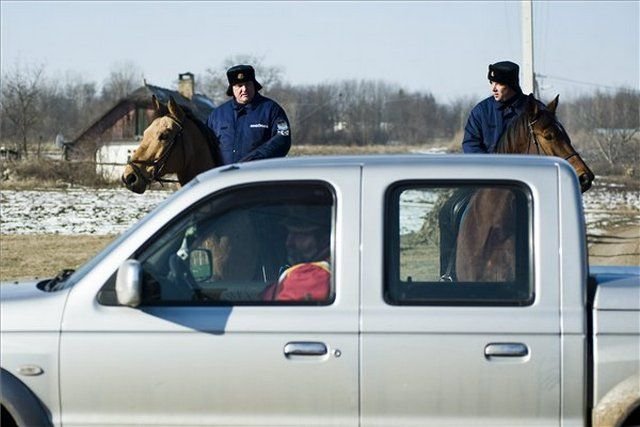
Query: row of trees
(35, 109)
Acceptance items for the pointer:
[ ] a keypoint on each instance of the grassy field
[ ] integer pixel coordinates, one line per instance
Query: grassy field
(28, 256)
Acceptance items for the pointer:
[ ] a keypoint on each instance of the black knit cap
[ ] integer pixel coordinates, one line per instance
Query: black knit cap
(240, 74)
(505, 72)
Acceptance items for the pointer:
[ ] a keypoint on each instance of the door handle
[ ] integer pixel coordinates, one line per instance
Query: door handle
(305, 349)
(508, 349)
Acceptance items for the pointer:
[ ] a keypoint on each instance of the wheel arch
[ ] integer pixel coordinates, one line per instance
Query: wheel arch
(620, 404)
(21, 403)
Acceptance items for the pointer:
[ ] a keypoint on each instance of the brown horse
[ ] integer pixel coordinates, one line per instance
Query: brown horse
(175, 142)
(486, 247)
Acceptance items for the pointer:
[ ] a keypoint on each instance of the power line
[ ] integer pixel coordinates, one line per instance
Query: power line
(546, 76)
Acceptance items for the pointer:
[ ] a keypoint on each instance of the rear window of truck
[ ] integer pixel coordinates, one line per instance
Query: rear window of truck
(458, 244)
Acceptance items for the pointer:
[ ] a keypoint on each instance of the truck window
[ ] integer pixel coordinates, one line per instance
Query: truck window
(458, 244)
(267, 244)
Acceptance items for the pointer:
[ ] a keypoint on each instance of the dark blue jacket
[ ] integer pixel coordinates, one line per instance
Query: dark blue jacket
(488, 121)
(258, 130)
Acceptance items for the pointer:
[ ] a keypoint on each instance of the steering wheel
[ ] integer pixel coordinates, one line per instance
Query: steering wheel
(180, 274)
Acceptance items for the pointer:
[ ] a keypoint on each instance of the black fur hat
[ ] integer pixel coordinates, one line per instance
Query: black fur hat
(505, 72)
(241, 74)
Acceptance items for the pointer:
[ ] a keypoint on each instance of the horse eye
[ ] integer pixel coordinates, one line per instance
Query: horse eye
(548, 136)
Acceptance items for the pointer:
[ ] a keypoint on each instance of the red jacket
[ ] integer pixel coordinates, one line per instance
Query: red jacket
(308, 281)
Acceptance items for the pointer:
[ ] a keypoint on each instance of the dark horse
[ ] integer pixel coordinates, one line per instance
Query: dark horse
(485, 247)
(175, 142)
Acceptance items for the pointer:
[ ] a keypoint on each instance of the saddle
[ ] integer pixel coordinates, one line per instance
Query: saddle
(449, 219)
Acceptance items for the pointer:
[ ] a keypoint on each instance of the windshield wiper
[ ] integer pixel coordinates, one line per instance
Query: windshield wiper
(53, 284)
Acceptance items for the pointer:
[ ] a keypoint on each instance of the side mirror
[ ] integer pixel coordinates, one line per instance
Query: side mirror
(129, 283)
(200, 264)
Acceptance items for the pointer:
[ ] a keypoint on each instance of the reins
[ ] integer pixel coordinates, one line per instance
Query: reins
(534, 140)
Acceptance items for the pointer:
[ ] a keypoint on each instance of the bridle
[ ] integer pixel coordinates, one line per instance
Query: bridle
(533, 140)
(159, 163)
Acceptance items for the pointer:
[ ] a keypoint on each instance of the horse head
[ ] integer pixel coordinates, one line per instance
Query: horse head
(547, 136)
(174, 143)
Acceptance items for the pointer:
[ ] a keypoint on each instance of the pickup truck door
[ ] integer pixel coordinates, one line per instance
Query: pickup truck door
(236, 363)
(438, 352)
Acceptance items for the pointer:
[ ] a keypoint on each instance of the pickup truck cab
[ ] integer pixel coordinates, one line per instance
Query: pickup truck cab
(169, 325)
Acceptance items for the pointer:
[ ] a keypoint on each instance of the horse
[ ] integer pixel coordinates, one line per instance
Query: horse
(175, 142)
(486, 242)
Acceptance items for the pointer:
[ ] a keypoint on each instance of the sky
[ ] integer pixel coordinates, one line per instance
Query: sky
(439, 47)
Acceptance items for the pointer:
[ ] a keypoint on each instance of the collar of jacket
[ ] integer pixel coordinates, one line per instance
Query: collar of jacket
(250, 106)
(515, 102)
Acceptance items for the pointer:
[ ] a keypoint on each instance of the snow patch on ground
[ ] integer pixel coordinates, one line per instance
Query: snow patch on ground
(74, 211)
(112, 211)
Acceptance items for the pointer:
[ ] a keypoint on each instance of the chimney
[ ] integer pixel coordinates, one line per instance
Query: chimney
(186, 85)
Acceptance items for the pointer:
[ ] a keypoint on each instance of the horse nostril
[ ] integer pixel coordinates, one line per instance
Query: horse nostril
(585, 181)
(129, 179)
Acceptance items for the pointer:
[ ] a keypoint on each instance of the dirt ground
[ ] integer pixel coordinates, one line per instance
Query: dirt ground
(617, 246)
(27, 256)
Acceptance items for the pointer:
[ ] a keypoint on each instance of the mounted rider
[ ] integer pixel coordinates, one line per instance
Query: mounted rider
(489, 118)
(486, 123)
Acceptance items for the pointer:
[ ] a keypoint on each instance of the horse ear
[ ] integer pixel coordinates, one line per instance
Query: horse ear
(159, 108)
(175, 110)
(553, 104)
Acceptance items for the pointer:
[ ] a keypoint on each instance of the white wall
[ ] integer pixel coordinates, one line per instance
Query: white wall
(113, 156)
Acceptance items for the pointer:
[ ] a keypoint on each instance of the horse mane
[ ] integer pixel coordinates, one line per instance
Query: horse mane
(211, 138)
(513, 133)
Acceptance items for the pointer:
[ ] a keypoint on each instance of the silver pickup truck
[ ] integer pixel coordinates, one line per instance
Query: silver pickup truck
(170, 325)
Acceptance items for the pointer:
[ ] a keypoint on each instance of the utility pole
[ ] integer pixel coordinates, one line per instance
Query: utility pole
(529, 81)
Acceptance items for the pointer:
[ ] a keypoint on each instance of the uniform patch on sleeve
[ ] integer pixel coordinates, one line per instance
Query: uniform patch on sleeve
(282, 128)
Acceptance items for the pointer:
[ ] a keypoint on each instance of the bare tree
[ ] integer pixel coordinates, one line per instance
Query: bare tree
(311, 111)
(21, 91)
(123, 79)
(360, 111)
(68, 104)
(215, 81)
(612, 124)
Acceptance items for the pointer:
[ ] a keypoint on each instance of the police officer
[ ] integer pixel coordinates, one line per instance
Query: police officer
(249, 126)
(489, 119)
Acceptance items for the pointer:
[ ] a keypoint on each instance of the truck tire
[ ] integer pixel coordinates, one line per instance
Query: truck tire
(618, 404)
(20, 403)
